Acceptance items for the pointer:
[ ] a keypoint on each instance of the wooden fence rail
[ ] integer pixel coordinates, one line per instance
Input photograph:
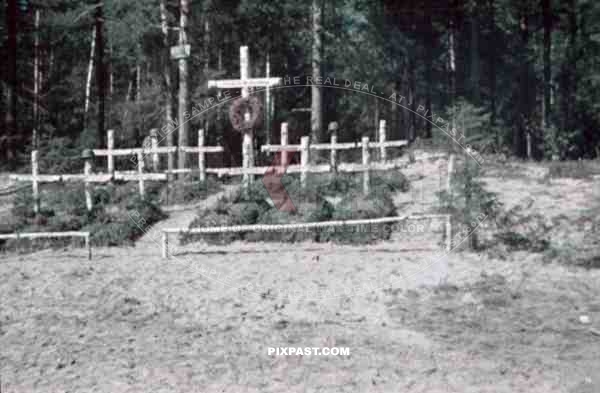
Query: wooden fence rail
(305, 225)
(304, 169)
(110, 152)
(248, 170)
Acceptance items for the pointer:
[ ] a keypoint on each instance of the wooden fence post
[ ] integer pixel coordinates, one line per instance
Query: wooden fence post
(451, 160)
(155, 158)
(140, 160)
(365, 161)
(201, 156)
(333, 126)
(165, 245)
(304, 159)
(382, 139)
(248, 151)
(449, 233)
(246, 146)
(88, 246)
(283, 143)
(110, 145)
(35, 171)
(87, 171)
(171, 160)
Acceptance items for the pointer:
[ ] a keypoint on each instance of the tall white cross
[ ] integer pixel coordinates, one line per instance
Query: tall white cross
(245, 83)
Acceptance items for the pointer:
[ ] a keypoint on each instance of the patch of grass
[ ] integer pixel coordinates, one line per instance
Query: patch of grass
(580, 169)
(185, 190)
(517, 230)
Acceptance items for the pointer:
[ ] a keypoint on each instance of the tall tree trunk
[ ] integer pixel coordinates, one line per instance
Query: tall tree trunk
(109, 72)
(88, 83)
(100, 74)
(428, 64)
(493, 77)
(570, 69)
(546, 110)
(406, 114)
(167, 81)
(522, 137)
(220, 60)
(10, 118)
(412, 98)
(316, 113)
(547, 11)
(138, 84)
(184, 11)
(206, 40)
(36, 78)
(452, 70)
(474, 55)
(394, 124)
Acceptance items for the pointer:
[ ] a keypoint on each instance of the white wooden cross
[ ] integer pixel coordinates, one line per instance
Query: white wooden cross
(245, 83)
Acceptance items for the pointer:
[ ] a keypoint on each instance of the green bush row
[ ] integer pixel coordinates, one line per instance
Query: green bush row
(325, 197)
(109, 222)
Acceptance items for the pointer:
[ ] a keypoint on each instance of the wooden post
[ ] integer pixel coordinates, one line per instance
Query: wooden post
(35, 171)
(201, 163)
(140, 160)
(449, 233)
(246, 146)
(171, 160)
(154, 139)
(88, 246)
(333, 126)
(247, 143)
(449, 180)
(382, 139)
(87, 171)
(284, 142)
(183, 97)
(244, 69)
(247, 152)
(365, 161)
(110, 145)
(304, 159)
(450, 170)
(268, 102)
(333, 152)
(165, 245)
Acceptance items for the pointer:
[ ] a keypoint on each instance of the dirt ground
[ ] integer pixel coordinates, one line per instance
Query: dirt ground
(129, 321)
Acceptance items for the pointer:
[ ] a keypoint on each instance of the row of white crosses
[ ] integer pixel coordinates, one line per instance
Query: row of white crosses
(245, 83)
(88, 177)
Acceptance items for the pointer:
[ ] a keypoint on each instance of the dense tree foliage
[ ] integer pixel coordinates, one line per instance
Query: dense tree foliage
(529, 66)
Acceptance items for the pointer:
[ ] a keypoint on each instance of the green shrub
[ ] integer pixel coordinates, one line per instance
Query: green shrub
(212, 219)
(468, 201)
(185, 190)
(391, 181)
(326, 197)
(109, 222)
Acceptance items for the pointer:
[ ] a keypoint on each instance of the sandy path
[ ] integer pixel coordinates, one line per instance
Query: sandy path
(181, 216)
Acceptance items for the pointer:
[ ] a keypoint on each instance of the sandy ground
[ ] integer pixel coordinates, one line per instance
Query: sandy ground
(128, 321)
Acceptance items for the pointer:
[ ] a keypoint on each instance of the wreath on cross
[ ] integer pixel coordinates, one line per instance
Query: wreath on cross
(241, 106)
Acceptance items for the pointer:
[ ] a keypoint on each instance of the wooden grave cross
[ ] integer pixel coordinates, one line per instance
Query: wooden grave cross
(245, 83)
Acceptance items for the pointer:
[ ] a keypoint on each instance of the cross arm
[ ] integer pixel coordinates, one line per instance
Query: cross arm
(239, 83)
